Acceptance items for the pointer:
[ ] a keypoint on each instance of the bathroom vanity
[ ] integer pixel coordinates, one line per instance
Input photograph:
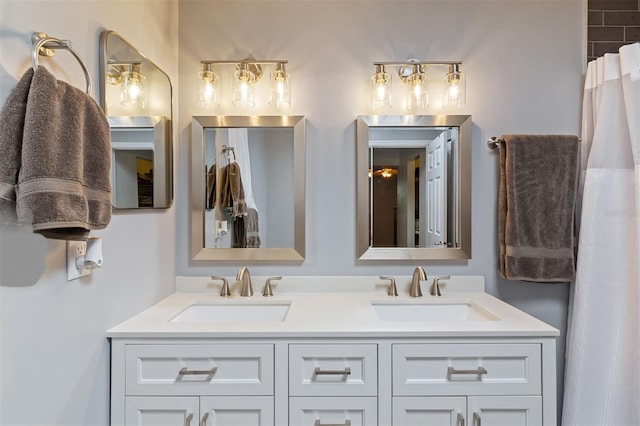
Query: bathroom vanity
(333, 351)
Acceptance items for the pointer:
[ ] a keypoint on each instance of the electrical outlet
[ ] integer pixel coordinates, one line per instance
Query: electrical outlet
(75, 249)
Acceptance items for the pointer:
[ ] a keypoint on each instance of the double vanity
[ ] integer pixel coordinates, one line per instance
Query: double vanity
(333, 351)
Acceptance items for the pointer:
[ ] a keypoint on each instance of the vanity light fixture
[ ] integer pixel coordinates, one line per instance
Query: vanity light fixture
(248, 73)
(413, 74)
(133, 84)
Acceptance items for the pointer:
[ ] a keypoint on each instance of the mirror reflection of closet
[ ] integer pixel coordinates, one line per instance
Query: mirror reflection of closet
(136, 96)
(250, 171)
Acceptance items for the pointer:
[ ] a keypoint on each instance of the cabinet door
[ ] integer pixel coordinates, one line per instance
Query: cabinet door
(237, 411)
(334, 411)
(162, 411)
(436, 411)
(505, 410)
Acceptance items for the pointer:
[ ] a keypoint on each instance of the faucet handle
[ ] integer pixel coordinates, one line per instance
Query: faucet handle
(267, 291)
(435, 287)
(393, 291)
(224, 291)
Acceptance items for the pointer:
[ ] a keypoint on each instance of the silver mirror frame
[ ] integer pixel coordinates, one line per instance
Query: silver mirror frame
(463, 195)
(198, 249)
(141, 122)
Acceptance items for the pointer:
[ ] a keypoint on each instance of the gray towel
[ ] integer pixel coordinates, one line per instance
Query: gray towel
(63, 188)
(11, 130)
(253, 236)
(536, 203)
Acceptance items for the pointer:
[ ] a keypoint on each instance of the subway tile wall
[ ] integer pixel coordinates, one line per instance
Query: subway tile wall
(611, 24)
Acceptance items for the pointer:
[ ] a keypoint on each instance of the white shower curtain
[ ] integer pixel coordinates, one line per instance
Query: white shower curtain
(602, 381)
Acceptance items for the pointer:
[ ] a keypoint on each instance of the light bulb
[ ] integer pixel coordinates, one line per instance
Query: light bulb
(208, 86)
(380, 89)
(280, 87)
(133, 90)
(417, 94)
(243, 95)
(454, 93)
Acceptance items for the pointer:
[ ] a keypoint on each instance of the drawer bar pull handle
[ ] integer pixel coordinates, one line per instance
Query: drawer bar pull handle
(479, 371)
(344, 372)
(460, 420)
(187, 421)
(477, 421)
(204, 419)
(184, 371)
(319, 423)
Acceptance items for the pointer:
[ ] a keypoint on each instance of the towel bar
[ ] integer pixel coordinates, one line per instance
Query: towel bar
(44, 45)
(493, 142)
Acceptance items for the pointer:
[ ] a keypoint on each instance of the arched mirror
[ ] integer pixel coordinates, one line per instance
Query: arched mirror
(414, 187)
(248, 188)
(136, 96)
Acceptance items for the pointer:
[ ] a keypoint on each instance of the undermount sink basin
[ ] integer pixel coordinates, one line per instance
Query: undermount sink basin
(233, 311)
(434, 311)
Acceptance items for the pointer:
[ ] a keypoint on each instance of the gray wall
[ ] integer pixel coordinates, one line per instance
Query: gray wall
(54, 356)
(520, 80)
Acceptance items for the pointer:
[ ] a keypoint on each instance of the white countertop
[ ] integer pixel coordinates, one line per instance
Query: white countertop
(330, 307)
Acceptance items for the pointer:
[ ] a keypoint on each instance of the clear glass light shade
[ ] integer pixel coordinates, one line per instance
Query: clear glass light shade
(243, 89)
(417, 97)
(454, 90)
(134, 87)
(280, 89)
(208, 86)
(380, 90)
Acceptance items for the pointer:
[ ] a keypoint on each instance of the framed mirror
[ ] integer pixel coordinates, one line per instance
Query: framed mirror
(248, 188)
(136, 96)
(413, 187)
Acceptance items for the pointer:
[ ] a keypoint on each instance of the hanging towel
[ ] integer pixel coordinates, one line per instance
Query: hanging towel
(11, 130)
(63, 188)
(537, 195)
(211, 187)
(253, 236)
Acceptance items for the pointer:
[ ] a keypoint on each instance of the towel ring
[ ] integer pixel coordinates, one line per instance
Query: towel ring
(44, 45)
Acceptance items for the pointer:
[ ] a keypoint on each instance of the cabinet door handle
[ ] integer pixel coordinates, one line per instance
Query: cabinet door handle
(460, 420)
(477, 421)
(479, 371)
(346, 371)
(203, 422)
(187, 421)
(319, 423)
(184, 371)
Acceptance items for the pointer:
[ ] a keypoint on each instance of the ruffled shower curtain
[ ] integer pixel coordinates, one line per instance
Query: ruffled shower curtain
(602, 381)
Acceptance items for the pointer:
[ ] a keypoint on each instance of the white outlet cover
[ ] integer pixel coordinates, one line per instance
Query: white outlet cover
(72, 250)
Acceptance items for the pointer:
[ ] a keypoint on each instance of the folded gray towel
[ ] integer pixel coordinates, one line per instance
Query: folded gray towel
(63, 184)
(11, 130)
(536, 203)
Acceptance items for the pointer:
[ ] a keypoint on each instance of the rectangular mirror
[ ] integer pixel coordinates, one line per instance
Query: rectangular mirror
(136, 96)
(248, 188)
(414, 187)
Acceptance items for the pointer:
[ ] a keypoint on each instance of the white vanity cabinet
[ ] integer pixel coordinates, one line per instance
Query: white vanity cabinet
(490, 384)
(353, 381)
(195, 384)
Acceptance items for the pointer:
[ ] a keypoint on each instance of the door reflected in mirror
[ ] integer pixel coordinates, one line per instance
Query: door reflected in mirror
(413, 176)
(248, 188)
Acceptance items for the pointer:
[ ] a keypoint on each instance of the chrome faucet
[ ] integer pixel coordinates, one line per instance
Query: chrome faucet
(435, 287)
(243, 275)
(418, 275)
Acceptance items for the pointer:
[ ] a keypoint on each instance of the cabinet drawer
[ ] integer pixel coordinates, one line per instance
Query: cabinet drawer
(345, 370)
(199, 369)
(466, 369)
(321, 411)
